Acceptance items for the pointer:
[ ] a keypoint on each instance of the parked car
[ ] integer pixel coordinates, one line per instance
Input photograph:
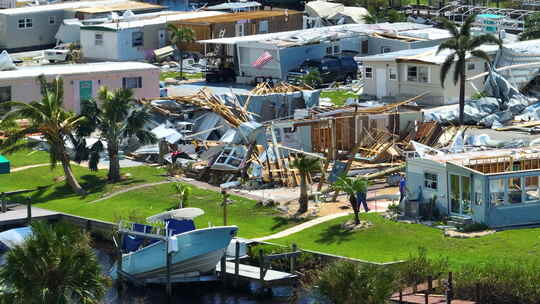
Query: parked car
(56, 54)
(330, 68)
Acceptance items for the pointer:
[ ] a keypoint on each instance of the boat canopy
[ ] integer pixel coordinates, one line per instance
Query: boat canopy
(177, 214)
(13, 237)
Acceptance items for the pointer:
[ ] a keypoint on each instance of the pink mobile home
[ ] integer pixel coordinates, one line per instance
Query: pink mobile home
(81, 81)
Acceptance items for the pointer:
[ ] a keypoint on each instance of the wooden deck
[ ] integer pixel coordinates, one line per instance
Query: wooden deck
(253, 273)
(17, 215)
(421, 299)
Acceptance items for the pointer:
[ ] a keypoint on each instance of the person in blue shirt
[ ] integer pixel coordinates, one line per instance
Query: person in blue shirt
(402, 187)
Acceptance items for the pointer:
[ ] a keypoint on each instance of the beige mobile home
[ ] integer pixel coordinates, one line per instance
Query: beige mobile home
(409, 73)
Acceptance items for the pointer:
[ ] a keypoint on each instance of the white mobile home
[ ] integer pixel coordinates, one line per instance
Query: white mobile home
(131, 39)
(31, 27)
(289, 49)
(409, 73)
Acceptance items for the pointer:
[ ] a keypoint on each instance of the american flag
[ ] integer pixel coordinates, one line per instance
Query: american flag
(262, 60)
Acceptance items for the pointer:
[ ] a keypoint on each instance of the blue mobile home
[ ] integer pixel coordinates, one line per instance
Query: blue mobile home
(499, 188)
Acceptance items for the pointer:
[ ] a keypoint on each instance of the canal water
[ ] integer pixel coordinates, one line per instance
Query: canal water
(188, 293)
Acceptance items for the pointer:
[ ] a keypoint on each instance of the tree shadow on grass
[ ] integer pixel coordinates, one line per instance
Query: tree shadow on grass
(280, 222)
(335, 234)
(89, 182)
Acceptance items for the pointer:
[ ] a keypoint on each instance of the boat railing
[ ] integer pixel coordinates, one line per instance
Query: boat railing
(148, 231)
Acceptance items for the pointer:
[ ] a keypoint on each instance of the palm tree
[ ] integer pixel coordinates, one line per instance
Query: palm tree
(305, 166)
(49, 118)
(312, 79)
(179, 36)
(183, 191)
(352, 186)
(116, 117)
(462, 44)
(532, 27)
(55, 264)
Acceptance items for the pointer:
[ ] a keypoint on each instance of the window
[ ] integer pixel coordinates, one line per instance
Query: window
(470, 67)
(263, 26)
(132, 82)
(98, 39)
(423, 74)
(369, 73)
(136, 39)
(412, 73)
(329, 50)
(496, 191)
(417, 74)
(430, 180)
(392, 73)
(386, 49)
(337, 49)
(52, 20)
(365, 47)
(25, 23)
(5, 95)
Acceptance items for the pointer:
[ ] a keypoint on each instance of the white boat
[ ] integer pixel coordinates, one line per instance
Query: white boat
(194, 252)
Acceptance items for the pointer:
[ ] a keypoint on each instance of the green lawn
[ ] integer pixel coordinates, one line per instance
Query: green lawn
(338, 97)
(138, 204)
(176, 75)
(390, 241)
(253, 221)
(27, 157)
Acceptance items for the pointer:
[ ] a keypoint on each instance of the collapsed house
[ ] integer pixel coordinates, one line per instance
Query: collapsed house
(285, 51)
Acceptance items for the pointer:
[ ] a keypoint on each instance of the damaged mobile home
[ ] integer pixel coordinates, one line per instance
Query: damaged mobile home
(287, 50)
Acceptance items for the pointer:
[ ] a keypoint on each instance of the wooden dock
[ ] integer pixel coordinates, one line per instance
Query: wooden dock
(18, 215)
(253, 273)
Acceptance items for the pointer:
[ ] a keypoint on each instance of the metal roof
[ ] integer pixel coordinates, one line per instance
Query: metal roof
(228, 18)
(73, 69)
(56, 6)
(233, 6)
(160, 19)
(129, 5)
(309, 35)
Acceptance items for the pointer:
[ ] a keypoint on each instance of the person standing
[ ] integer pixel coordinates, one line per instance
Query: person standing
(402, 187)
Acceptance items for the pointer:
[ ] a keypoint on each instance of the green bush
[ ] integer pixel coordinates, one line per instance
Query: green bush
(394, 209)
(499, 282)
(419, 267)
(474, 227)
(349, 282)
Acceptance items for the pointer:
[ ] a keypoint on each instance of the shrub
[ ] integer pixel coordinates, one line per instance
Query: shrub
(474, 227)
(394, 209)
(419, 267)
(349, 282)
(505, 282)
(304, 261)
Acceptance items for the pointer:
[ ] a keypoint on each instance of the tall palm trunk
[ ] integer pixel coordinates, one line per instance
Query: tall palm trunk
(356, 208)
(181, 62)
(114, 162)
(462, 97)
(68, 172)
(303, 201)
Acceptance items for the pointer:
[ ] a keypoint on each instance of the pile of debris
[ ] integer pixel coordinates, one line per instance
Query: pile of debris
(264, 88)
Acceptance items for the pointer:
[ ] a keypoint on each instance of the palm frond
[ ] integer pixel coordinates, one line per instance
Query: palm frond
(445, 67)
(483, 39)
(465, 30)
(450, 44)
(459, 68)
(449, 26)
(95, 151)
(482, 55)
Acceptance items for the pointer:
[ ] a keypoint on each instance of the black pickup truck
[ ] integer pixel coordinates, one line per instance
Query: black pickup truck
(331, 69)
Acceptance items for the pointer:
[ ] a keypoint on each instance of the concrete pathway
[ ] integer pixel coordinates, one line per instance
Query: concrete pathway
(130, 189)
(28, 167)
(303, 226)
